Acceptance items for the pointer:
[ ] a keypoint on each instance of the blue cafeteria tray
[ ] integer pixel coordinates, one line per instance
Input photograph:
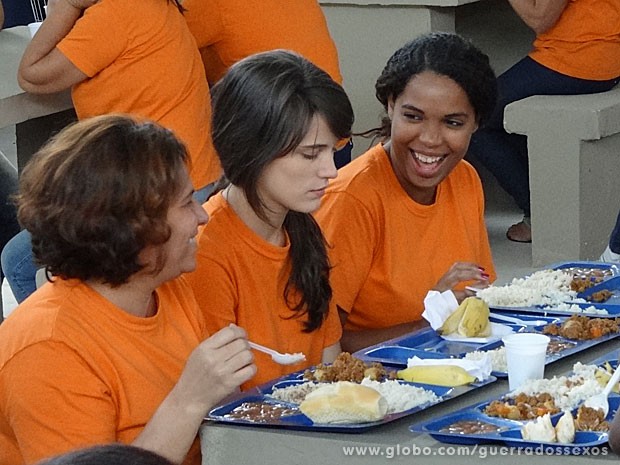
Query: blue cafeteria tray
(300, 422)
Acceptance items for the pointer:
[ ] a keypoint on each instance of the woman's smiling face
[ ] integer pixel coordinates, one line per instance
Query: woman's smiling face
(432, 123)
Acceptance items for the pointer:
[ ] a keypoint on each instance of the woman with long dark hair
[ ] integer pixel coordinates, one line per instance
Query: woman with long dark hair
(262, 259)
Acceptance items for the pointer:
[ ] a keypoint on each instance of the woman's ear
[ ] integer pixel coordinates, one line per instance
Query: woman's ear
(390, 107)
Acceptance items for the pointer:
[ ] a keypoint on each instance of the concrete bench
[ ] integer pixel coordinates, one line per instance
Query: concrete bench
(574, 156)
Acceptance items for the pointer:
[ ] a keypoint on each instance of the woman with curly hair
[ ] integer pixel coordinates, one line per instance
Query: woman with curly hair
(407, 216)
(262, 260)
(114, 348)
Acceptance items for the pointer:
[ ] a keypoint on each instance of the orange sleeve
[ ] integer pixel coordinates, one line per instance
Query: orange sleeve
(100, 29)
(58, 404)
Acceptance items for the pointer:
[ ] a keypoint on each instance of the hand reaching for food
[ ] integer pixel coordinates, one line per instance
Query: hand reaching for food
(463, 272)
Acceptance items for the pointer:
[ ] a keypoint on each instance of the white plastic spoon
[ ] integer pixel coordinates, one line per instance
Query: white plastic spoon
(518, 321)
(282, 359)
(599, 401)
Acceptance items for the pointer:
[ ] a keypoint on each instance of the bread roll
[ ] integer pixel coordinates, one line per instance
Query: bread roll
(344, 402)
(539, 430)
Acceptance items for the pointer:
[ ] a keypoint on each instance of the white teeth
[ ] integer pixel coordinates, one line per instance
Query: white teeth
(425, 159)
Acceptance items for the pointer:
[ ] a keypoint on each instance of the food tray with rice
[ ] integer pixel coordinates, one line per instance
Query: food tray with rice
(359, 397)
(565, 288)
(569, 335)
(427, 343)
(544, 415)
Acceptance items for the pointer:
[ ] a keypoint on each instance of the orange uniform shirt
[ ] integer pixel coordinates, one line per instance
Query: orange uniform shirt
(388, 251)
(142, 59)
(228, 30)
(585, 41)
(240, 278)
(76, 371)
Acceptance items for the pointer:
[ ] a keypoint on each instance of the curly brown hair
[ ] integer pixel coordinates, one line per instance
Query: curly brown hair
(98, 193)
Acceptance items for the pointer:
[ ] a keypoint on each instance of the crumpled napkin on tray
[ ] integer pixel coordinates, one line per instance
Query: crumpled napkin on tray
(481, 369)
(438, 306)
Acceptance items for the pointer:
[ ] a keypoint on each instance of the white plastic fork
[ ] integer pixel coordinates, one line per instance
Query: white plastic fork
(599, 401)
(279, 358)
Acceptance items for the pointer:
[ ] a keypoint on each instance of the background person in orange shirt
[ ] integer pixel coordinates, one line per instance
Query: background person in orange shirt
(115, 348)
(576, 51)
(228, 30)
(118, 58)
(262, 261)
(407, 216)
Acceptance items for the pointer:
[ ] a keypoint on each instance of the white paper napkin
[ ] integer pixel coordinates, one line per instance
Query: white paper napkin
(438, 306)
(481, 369)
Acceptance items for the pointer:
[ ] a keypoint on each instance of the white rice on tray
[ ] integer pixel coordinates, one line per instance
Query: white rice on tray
(399, 397)
(583, 385)
(498, 358)
(548, 288)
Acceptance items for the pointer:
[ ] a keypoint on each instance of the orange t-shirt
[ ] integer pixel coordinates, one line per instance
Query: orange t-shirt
(76, 371)
(240, 278)
(388, 251)
(143, 60)
(228, 30)
(585, 41)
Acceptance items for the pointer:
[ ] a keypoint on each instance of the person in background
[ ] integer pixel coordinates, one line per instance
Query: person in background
(9, 225)
(226, 31)
(115, 347)
(612, 251)
(19, 12)
(407, 216)
(109, 454)
(262, 261)
(576, 51)
(119, 58)
(8, 185)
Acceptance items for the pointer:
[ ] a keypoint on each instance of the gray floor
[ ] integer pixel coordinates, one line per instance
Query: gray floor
(511, 259)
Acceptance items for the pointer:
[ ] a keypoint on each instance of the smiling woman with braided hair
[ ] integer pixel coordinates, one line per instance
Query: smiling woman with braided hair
(407, 217)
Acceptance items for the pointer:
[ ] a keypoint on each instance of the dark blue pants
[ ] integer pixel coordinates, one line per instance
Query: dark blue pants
(614, 239)
(343, 156)
(505, 155)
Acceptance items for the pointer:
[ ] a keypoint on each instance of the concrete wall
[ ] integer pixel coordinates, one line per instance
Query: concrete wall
(574, 153)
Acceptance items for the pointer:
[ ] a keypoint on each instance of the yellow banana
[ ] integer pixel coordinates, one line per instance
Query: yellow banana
(486, 332)
(452, 322)
(440, 375)
(475, 318)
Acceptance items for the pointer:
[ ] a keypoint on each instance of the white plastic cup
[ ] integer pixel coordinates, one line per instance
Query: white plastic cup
(33, 28)
(525, 356)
